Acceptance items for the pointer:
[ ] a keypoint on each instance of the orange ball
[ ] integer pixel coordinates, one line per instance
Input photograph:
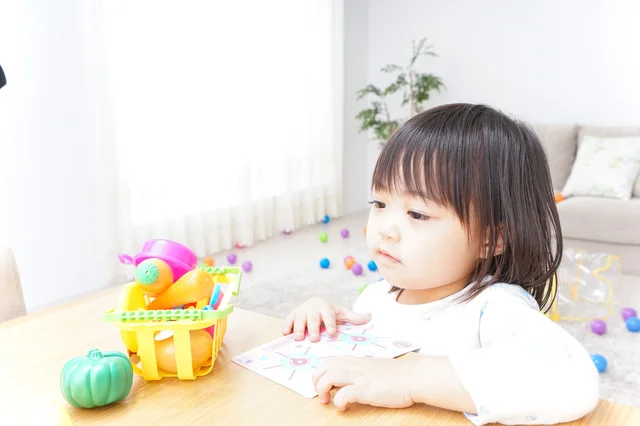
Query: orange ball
(365, 230)
(209, 261)
(349, 262)
(559, 197)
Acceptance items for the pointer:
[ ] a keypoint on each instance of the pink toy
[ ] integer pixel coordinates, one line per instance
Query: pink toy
(247, 266)
(232, 258)
(240, 246)
(178, 256)
(344, 233)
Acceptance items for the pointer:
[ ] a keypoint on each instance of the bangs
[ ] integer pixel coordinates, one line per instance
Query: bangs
(431, 167)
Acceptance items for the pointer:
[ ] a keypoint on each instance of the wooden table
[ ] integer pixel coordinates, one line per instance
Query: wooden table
(34, 348)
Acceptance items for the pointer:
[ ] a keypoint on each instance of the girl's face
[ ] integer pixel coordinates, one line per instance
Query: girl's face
(419, 245)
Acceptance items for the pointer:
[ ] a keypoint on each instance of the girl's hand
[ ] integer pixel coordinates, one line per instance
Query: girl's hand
(371, 381)
(315, 312)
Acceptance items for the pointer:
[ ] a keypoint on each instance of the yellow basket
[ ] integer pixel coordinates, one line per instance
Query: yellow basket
(146, 324)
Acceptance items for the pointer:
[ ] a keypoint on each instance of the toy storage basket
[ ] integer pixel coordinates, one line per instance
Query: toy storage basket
(146, 324)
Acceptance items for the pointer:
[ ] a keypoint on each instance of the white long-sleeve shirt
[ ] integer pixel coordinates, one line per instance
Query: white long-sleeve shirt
(518, 366)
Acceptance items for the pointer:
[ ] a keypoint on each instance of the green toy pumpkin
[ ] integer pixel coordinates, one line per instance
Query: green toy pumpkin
(96, 379)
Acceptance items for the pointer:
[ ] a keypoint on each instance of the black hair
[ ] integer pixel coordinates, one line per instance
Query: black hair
(492, 171)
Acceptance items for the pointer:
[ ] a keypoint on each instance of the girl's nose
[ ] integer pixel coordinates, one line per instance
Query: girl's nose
(391, 232)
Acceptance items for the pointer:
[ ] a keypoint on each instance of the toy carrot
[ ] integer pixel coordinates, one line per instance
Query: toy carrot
(193, 286)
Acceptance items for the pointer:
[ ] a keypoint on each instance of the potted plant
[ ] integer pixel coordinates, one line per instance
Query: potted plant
(416, 88)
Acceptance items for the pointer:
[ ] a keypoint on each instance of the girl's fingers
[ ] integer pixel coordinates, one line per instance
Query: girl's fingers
(313, 325)
(288, 323)
(329, 319)
(299, 324)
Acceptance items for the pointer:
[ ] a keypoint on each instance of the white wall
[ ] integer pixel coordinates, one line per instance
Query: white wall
(54, 212)
(356, 72)
(544, 60)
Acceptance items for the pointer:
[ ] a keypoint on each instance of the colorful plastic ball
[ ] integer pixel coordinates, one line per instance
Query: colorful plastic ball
(598, 326)
(240, 246)
(633, 324)
(372, 266)
(287, 232)
(324, 237)
(600, 362)
(232, 258)
(345, 233)
(326, 218)
(356, 269)
(628, 313)
(364, 230)
(347, 258)
(209, 261)
(349, 263)
(324, 263)
(247, 266)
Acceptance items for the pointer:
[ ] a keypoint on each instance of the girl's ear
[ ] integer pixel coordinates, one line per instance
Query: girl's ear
(485, 248)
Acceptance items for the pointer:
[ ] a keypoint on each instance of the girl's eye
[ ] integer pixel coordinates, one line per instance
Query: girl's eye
(417, 216)
(377, 204)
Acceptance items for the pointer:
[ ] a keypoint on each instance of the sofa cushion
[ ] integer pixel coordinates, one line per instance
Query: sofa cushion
(560, 143)
(610, 131)
(601, 219)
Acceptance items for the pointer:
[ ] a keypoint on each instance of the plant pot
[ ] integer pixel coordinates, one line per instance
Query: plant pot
(373, 152)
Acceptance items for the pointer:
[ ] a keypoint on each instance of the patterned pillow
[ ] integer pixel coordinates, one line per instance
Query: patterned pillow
(605, 167)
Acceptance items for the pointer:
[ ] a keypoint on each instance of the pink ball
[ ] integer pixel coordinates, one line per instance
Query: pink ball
(247, 266)
(628, 313)
(347, 258)
(356, 269)
(240, 246)
(344, 233)
(598, 326)
(232, 258)
(287, 232)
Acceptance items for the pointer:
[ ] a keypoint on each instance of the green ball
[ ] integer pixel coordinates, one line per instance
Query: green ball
(324, 237)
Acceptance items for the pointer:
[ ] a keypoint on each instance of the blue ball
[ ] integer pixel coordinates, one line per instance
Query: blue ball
(372, 266)
(600, 362)
(324, 263)
(326, 219)
(633, 324)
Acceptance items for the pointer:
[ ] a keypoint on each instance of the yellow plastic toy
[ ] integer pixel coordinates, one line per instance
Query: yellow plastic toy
(131, 299)
(146, 324)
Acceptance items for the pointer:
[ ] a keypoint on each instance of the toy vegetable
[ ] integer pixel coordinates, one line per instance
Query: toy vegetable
(193, 286)
(201, 350)
(97, 379)
(131, 299)
(154, 276)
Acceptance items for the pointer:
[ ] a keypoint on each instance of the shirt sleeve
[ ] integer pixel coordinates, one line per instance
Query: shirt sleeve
(528, 370)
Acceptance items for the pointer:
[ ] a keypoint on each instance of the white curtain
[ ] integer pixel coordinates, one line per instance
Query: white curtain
(227, 118)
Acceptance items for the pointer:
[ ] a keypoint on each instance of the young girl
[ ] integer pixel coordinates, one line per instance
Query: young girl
(465, 232)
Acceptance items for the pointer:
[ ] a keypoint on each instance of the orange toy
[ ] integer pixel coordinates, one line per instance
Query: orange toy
(193, 286)
(349, 262)
(201, 351)
(154, 276)
(209, 261)
(559, 197)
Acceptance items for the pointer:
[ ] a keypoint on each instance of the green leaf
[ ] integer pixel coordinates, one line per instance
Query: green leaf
(385, 129)
(391, 68)
(424, 84)
(370, 89)
(369, 118)
(401, 81)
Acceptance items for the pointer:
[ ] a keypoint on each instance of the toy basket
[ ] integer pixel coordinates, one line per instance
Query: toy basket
(146, 324)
